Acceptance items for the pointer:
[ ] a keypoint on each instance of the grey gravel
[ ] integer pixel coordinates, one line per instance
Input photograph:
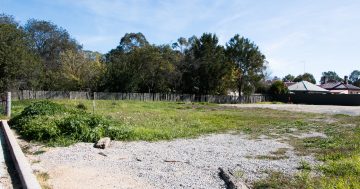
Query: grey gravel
(183, 163)
(325, 109)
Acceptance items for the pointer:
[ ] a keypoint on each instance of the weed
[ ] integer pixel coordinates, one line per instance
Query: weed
(81, 106)
(43, 177)
(304, 165)
(270, 157)
(279, 152)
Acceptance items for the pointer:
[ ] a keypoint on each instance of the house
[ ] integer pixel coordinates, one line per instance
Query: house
(340, 87)
(306, 87)
(289, 83)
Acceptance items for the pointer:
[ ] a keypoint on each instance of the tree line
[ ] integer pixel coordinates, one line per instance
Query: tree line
(330, 76)
(43, 56)
(40, 55)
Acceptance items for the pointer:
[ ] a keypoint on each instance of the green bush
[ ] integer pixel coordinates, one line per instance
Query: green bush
(278, 87)
(119, 132)
(43, 108)
(39, 129)
(83, 126)
(81, 106)
(55, 124)
(36, 109)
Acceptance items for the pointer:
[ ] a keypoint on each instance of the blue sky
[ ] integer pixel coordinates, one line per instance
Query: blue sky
(294, 35)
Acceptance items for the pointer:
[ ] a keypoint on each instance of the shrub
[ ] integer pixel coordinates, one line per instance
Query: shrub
(119, 132)
(83, 127)
(81, 106)
(43, 108)
(36, 109)
(278, 87)
(39, 129)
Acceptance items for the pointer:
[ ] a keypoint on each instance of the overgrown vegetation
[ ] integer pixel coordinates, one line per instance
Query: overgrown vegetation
(56, 124)
(63, 123)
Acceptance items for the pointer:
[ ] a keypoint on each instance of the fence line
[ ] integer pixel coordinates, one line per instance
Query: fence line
(28, 94)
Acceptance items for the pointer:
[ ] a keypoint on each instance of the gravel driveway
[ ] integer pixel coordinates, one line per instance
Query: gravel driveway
(326, 109)
(182, 163)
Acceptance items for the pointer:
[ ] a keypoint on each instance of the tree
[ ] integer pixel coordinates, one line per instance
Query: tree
(49, 41)
(331, 76)
(131, 41)
(249, 62)
(278, 87)
(305, 77)
(288, 78)
(140, 67)
(19, 66)
(205, 66)
(355, 78)
(78, 72)
(182, 44)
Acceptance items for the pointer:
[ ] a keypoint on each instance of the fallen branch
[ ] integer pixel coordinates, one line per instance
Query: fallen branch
(230, 181)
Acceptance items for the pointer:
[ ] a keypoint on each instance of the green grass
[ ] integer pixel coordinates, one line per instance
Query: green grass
(151, 121)
(170, 120)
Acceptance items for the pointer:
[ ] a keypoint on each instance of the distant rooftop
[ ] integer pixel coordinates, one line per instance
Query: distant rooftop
(305, 86)
(339, 86)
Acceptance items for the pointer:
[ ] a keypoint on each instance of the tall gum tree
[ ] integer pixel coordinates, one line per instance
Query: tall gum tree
(249, 62)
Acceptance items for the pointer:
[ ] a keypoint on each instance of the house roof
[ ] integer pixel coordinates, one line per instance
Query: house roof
(306, 87)
(339, 86)
(288, 83)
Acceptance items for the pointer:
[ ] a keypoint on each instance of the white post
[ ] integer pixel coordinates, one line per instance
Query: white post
(8, 104)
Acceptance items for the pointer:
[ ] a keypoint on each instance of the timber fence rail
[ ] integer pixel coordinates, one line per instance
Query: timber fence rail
(224, 99)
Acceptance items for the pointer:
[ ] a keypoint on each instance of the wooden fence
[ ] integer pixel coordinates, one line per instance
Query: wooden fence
(28, 94)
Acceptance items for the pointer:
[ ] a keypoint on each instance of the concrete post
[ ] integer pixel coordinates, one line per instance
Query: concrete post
(8, 104)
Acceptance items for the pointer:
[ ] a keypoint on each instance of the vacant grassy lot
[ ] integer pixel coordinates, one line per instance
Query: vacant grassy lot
(134, 120)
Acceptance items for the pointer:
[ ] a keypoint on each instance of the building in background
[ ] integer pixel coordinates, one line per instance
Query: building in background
(340, 87)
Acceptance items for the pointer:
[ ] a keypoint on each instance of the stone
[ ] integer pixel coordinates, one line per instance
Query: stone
(103, 143)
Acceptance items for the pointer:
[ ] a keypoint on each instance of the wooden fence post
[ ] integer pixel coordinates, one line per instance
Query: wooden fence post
(94, 102)
(8, 104)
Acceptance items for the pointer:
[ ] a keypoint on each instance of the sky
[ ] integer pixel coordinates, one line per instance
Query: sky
(294, 35)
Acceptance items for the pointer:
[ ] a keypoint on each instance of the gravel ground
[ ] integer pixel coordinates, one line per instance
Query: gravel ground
(326, 109)
(183, 163)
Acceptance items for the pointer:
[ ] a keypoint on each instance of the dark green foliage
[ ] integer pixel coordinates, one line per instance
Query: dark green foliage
(38, 128)
(81, 106)
(278, 87)
(43, 108)
(249, 62)
(305, 77)
(19, 68)
(50, 122)
(331, 76)
(34, 110)
(48, 41)
(288, 78)
(354, 78)
(83, 127)
(205, 66)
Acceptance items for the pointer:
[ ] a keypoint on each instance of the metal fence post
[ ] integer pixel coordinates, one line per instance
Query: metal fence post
(8, 104)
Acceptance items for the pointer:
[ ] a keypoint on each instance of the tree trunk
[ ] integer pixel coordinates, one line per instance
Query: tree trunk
(240, 88)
